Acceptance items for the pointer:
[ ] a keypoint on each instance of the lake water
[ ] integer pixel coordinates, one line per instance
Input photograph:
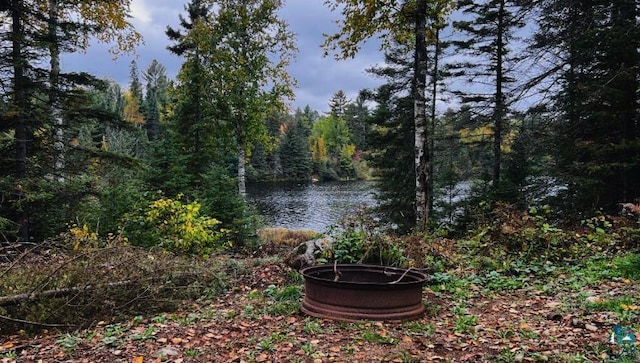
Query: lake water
(314, 206)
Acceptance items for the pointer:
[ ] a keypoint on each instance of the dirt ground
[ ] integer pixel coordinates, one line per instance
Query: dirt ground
(258, 320)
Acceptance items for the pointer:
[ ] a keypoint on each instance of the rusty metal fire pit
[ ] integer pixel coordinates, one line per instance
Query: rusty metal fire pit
(363, 292)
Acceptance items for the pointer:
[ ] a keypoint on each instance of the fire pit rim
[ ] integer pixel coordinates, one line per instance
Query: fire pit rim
(417, 275)
(397, 298)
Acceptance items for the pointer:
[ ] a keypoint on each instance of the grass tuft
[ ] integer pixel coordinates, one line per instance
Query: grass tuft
(286, 237)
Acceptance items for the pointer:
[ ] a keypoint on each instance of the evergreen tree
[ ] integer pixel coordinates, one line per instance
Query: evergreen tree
(595, 47)
(306, 117)
(41, 176)
(265, 162)
(338, 104)
(113, 99)
(190, 144)
(156, 85)
(135, 87)
(392, 125)
(490, 34)
(295, 152)
(356, 114)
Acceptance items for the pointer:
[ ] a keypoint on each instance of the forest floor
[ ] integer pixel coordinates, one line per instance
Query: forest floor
(563, 315)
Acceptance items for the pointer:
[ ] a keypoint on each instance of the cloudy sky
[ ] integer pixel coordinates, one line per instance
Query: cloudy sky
(318, 77)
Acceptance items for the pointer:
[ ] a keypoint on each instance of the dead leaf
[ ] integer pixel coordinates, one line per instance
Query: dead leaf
(138, 359)
(8, 345)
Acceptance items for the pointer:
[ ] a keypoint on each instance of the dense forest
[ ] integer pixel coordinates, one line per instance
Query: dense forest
(504, 140)
(533, 104)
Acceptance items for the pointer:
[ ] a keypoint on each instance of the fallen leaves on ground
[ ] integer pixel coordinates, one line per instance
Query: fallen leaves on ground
(247, 324)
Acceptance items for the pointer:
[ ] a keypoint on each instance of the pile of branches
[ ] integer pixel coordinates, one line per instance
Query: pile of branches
(49, 285)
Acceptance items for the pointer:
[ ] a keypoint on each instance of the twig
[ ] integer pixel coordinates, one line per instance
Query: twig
(35, 323)
(17, 259)
(401, 277)
(335, 271)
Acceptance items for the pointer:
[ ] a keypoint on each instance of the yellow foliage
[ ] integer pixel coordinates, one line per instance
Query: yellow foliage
(348, 150)
(471, 136)
(179, 227)
(82, 237)
(319, 150)
(115, 14)
(283, 236)
(364, 19)
(132, 110)
(507, 141)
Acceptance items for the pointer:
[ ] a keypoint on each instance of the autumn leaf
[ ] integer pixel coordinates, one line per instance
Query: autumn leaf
(138, 359)
(176, 340)
(7, 345)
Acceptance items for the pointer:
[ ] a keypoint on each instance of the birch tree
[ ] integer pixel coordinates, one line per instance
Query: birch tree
(249, 48)
(409, 21)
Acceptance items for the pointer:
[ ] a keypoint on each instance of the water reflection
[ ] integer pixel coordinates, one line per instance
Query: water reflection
(309, 205)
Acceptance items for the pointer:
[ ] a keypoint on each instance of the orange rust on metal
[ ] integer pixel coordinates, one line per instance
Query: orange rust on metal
(352, 292)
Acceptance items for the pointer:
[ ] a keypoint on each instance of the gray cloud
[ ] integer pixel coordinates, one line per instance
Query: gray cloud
(318, 77)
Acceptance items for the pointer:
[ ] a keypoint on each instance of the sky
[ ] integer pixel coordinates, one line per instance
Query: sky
(318, 77)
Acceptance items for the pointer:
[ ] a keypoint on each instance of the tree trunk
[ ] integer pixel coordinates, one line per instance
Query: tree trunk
(13, 300)
(19, 87)
(422, 162)
(498, 114)
(434, 93)
(54, 104)
(626, 83)
(20, 104)
(242, 186)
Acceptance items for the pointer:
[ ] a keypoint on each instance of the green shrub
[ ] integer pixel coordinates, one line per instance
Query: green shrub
(629, 265)
(359, 239)
(176, 227)
(220, 199)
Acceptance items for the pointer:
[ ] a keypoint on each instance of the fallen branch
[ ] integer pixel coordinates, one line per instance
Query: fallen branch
(19, 298)
(29, 322)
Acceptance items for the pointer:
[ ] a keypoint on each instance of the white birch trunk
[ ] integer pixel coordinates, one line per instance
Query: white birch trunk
(242, 184)
(54, 104)
(421, 147)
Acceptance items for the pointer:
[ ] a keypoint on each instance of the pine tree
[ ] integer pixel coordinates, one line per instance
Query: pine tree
(46, 109)
(338, 104)
(295, 152)
(597, 63)
(392, 124)
(490, 35)
(135, 87)
(157, 85)
(357, 114)
(190, 145)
